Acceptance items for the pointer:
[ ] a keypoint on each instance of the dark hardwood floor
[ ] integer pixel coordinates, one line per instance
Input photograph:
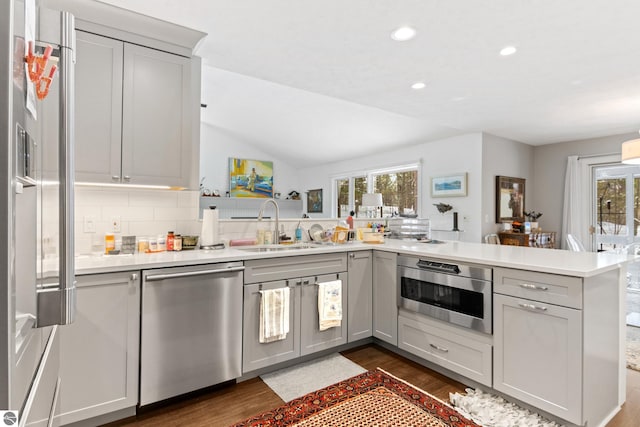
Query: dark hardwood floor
(239, 401)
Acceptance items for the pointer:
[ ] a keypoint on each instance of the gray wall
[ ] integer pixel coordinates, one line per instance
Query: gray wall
(501, 156)
(442, 157)
(550, 165)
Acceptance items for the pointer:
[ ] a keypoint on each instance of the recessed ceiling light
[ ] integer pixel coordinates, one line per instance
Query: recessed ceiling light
(403, 34)
(509, 50)
(418, 85)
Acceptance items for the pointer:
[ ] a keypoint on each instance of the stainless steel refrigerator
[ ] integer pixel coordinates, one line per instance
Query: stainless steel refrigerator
(37, 291)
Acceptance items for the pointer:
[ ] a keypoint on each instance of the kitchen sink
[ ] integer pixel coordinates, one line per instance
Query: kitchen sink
(276, 248)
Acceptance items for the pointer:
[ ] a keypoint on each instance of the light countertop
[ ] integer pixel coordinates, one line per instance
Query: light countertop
(579, 264)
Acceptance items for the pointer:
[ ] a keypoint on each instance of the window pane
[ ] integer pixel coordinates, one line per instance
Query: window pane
(611, 207)
(342, 190)
(399, 190)
(359, 188)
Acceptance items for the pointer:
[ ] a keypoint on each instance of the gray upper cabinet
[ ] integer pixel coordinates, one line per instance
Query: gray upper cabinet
(360, 295)
(98, 107)
(134, 114)
(156, 124)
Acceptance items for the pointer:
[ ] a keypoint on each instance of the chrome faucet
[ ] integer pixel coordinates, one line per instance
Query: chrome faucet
(276, 235)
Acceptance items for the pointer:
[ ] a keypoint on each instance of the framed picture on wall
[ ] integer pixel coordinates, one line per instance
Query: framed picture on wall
(509, 199)
(314, 201)
(250, 178)
(449, 186)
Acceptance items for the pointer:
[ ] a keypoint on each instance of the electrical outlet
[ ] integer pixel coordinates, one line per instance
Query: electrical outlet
(115, 224)
(89, 224)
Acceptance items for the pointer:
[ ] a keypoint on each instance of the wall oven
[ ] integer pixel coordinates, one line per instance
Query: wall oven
(452, 292)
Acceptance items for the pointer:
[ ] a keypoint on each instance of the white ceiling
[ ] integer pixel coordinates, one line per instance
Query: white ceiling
(313, 81)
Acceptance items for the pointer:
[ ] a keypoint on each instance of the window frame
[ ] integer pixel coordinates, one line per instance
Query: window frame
(370, 177)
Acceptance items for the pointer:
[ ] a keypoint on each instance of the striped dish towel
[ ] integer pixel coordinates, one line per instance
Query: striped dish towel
(274, 314)
(330, 304)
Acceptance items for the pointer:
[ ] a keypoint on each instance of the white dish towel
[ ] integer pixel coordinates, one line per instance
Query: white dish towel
(330, 304)
(274, 314)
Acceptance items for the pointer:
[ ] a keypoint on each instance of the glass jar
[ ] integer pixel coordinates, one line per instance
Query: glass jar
(170, 240)
(177, 243)
(143, 245)
(109, 243)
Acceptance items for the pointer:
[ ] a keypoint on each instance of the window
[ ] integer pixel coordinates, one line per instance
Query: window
(617, 206)
(399, 187)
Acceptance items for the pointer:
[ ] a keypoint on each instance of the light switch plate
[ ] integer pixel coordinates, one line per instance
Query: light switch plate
(89, 224)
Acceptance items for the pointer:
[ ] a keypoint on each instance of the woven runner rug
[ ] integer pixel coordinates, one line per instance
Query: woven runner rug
(374, 398)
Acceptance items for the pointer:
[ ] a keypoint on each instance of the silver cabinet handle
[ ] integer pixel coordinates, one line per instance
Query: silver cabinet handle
(115, 178)
(534, 287)
(532, 307)
(442, 349)
(352, 255)
(156, 277)
(127, 178)
(134, 277)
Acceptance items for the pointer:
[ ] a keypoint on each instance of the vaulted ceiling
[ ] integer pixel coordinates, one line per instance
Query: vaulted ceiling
(313, 81)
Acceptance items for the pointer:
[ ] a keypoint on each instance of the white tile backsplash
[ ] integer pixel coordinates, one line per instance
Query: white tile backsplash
(141, 213)
(153, 212)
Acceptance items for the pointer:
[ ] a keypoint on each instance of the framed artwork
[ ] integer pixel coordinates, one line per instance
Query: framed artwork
(250, 178)
(314, 201)
(509, 199)
(449, 186)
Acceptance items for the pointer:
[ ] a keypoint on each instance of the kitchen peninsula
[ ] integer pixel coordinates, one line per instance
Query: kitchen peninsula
(557, 319)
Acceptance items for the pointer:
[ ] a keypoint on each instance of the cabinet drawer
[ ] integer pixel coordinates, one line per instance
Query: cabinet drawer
(266, 270)
(551, 288)
(457, 353)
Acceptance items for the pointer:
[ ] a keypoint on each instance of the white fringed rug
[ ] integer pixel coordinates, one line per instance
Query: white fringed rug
(493, 411)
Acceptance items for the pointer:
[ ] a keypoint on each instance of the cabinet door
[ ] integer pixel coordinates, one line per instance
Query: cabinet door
(312, 339)
(360, 292)
(255, 354)
(98, 115)
(385, 307)
(99, 351)
(156, 127)
(537, 355)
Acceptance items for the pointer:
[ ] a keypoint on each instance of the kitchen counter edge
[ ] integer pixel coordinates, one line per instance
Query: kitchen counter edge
(554, 261)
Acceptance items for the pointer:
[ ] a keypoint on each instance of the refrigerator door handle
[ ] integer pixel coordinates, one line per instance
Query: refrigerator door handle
(57, 306)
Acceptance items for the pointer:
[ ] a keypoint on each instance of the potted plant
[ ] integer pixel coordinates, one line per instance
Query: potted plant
(533, 216)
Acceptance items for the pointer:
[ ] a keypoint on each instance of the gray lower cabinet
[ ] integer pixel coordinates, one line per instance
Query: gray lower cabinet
(99, 351)
(553, 346)
(256, 355)
(360, 295)
(134, 112)
(466, 353)
(304, 335)
(385, 307)
(312, 339)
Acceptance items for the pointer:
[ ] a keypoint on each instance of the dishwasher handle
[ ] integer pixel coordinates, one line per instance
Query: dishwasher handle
(156, 277)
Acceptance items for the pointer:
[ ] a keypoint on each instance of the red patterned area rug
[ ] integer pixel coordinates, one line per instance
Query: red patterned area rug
(375, 398)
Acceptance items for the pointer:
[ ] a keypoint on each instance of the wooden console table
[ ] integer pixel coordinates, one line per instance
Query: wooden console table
(542, 239)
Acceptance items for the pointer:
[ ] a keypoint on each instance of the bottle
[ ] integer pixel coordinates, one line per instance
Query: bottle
(143, 245)
(109, 243)
(170, 240)
(162, 243)
(298, 233)
(177, 243)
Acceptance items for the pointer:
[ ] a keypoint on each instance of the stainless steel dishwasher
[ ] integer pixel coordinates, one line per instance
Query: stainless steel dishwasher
(191, 329)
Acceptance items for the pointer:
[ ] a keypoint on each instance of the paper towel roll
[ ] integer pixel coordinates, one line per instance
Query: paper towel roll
(209, 234)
